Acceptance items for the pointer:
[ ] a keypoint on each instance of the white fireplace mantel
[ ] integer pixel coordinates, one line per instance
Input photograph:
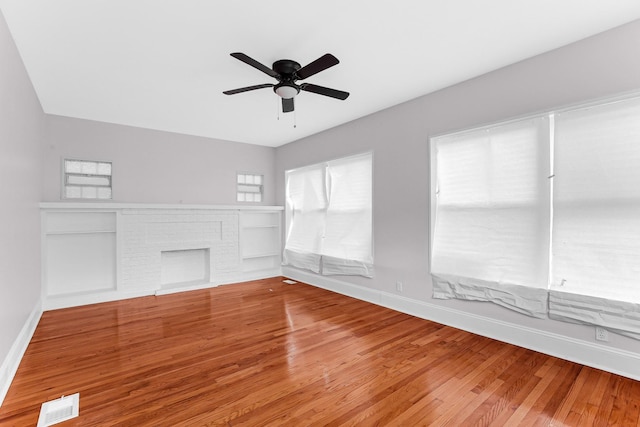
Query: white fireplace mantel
(95, 251)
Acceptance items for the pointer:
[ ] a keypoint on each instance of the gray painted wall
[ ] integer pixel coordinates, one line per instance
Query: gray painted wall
(21, 134)
(153, 166)
(600, 66)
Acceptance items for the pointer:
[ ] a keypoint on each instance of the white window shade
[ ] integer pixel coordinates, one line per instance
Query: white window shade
(491, 233)
(347, 235)
(596, 240)
(306, 210)
(329, 217)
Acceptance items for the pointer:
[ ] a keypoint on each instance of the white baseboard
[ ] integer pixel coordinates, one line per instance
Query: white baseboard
(73, 300)
(259, 275)
(85, 298)
(10, 364)
(598, 356)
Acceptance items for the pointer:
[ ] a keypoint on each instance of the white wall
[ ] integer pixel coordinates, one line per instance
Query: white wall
(153, 166)
(600, 66)
(21, 134)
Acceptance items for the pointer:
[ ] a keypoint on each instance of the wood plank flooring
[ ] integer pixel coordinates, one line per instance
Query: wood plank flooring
(265, 353)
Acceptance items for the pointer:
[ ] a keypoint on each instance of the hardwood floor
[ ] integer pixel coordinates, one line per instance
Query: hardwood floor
(265, 353)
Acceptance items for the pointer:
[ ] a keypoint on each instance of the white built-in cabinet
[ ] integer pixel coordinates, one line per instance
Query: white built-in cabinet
(80, 252)
(95, 252)
(260, 244)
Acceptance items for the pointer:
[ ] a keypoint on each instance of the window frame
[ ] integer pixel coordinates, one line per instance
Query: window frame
(614, 315)
(327, 262)
(244, 188)
(486, 125)
(513, 282)
(66, 184)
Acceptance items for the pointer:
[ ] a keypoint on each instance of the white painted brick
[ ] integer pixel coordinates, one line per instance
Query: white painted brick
(146, 234)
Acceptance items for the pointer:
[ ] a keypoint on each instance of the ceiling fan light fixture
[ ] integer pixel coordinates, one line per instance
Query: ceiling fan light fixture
(286, 91)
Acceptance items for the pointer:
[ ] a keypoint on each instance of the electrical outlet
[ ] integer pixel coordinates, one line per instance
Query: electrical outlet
(399, 286)
(602, 334)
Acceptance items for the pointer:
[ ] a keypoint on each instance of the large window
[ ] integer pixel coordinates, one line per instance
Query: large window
(596, 239)
(492, 216)
(329, 217)
(543, 218)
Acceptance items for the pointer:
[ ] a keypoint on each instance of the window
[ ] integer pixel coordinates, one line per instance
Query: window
(84, 179)
(543, 218)
(249, 187)
(329, 217)
(492, 216)
(596, 199)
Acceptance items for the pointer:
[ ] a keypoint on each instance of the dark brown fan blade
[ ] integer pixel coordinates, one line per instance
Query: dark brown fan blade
(255, 64)
(246, 89)
(316, 66)
(321, 90)
(287, 105)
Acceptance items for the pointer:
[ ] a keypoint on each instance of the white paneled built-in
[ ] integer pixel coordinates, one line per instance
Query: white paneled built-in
(260, 241)
(80, 249)
(102, 252)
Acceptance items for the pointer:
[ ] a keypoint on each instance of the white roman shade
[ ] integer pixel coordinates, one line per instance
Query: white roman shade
(329, 217)
(491, 231)
(596, 241)
(306, 211)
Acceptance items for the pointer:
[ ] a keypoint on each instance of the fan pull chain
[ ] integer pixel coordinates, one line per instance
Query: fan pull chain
(295, 119)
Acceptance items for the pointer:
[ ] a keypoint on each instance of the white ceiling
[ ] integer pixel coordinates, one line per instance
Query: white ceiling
(163, 64)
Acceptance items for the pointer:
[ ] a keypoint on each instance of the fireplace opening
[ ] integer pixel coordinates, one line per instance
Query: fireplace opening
(184, 268)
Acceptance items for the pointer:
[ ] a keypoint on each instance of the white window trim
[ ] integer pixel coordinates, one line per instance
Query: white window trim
(323, 264)
(486, 125)
(623, 317)
(526, 294)
(65, 175)
(243, 188)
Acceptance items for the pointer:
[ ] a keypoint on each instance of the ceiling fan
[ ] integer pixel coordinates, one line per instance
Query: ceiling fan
(287, 72)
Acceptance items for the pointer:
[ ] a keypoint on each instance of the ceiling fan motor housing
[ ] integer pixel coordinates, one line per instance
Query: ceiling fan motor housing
(286, 68)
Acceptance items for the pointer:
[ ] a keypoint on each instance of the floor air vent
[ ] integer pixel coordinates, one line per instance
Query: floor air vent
(58, 410)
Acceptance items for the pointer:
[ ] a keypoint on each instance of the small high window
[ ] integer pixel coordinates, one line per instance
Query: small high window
(85, 179)
(249, 187)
